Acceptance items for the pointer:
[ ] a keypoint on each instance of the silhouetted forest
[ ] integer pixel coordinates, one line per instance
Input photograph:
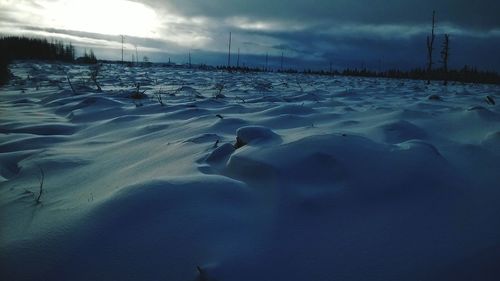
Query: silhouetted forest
(88, 58)
(466, 74)
(4, 70)
(22, 48)
(239, 68)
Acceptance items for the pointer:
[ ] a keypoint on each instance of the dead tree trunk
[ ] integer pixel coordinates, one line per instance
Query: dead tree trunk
(444, 56)
(238, 60)
(430, 48)
(267, 59)
(229, 53)
(136, 56)
(122, 47)
(281, 61)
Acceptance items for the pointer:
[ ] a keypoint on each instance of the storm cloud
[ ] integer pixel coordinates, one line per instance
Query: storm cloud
(375, 34)
(468, 14)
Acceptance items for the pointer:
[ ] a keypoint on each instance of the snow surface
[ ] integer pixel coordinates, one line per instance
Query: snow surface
(332, 178)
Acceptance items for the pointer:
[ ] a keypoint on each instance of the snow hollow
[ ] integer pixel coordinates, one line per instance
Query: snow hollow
(179, 174)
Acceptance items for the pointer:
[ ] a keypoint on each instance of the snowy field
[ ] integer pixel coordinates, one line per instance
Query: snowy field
(247, 176)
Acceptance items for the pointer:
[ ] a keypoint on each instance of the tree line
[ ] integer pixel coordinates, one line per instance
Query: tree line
(466, 74)
(24, 48)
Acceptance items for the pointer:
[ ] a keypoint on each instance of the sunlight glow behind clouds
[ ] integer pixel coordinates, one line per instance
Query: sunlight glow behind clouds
(349, 30)
(265, 25)
(112, 17)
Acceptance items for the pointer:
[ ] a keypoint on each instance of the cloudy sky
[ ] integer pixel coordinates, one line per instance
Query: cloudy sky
(378, 34)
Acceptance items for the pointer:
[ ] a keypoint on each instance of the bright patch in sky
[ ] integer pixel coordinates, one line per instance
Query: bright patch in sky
(350, 32)
(112, 17)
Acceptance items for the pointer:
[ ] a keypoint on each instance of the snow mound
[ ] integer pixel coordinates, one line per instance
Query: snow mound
(492, 140)
(228, 125)
(289, 109)
(220, 154)
(45, 129)
(401, 130)
(255, 135)
(331, 160)
(290, 177)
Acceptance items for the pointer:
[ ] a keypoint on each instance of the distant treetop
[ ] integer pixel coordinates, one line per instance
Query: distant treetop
(23, 48)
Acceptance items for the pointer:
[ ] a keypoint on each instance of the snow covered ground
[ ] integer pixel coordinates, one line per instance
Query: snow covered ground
(284, 177)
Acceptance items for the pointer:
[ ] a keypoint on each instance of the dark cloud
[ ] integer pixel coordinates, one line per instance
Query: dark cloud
(348, 33)
(482, 14)
(312, 47)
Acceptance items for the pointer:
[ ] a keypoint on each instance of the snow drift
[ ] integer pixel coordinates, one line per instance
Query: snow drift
(281, 177)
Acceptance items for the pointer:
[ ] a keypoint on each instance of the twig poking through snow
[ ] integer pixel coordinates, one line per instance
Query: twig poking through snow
(202, 275)
(137, 94)
(159, 96)
(42, 177)
(435, 98)
(219, 87)
(94, 72)
(71, 85)
(300, 86)
(490, 100)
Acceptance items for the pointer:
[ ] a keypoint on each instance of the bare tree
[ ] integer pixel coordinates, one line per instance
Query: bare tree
(159, 96)
(238, 60)
(282, 54)
(229, 52)
(430, 48)
(70, 84)
(136, 56)
(122, 37)
(38, 199)
(267, 59)
(444, 56)
(94, 73)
